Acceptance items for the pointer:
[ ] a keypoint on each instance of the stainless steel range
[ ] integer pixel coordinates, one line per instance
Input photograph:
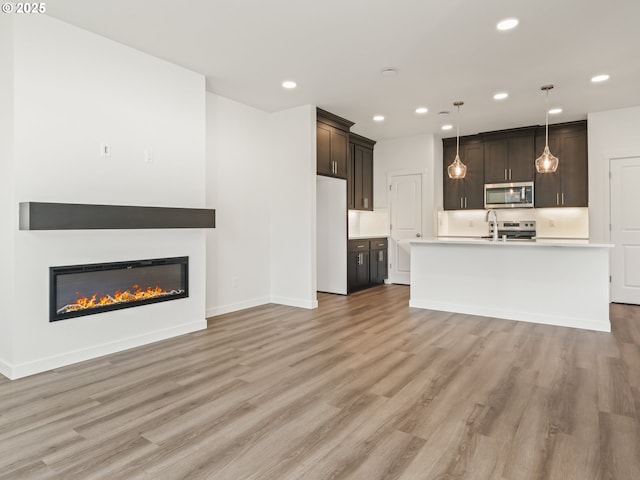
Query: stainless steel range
(515, 230)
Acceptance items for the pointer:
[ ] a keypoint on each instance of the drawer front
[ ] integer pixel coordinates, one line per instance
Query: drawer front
(358, 245)
(378, 243)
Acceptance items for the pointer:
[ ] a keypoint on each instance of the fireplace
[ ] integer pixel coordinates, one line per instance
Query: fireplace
(79, 290)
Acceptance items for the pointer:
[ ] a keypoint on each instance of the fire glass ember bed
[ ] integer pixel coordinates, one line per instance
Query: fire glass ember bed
(79, 290)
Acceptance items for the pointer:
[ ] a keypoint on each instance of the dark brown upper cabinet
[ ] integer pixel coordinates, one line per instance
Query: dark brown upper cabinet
(332, 144)
(360, 178)
(466, 193)
(509, 155)
(569, 185)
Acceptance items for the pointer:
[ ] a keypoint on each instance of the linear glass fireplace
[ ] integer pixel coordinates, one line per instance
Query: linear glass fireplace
(79, 290)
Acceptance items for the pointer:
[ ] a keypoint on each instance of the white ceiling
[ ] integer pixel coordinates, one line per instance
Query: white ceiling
(443, 51)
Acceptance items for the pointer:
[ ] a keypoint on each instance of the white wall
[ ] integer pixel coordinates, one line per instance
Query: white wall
(293, 207)
(611, 134)
(238, 186)
(73, 91)
(7, 207)
(410, 154)
(261, 180)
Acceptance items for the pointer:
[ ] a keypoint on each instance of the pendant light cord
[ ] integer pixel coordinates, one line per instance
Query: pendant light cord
(458, 132)
(546, 133)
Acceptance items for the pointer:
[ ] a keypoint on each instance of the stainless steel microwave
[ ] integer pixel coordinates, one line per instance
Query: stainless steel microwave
(508, 195)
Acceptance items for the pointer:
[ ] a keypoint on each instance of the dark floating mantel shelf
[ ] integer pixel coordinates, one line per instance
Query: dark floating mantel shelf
(74, 216)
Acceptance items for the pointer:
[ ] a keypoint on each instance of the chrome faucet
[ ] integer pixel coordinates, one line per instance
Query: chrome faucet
(492, 213)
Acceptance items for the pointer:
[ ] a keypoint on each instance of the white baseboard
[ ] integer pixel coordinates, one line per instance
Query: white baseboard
(558, 321)
(256, 302)
(295, 302)
(5, 368)
(234, 307)
(25, 369)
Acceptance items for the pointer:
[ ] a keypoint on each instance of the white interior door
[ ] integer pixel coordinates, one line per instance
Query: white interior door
(625, 230)
(405, 203)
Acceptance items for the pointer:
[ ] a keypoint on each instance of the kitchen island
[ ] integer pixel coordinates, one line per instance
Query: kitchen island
(553, 282)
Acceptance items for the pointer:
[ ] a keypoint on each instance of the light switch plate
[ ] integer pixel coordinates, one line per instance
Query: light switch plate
(105, 150)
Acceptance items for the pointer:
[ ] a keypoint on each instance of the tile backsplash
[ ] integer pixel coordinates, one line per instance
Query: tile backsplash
(369, 224)
(550, 222)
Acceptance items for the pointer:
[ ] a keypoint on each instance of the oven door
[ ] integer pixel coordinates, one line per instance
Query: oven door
(508, 195)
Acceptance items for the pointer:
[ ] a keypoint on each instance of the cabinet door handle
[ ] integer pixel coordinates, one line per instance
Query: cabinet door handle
(461, 204)
(562, 198)
(465, 202)
(366, 202)
(505, 174)
(380, 256)
(510, 177)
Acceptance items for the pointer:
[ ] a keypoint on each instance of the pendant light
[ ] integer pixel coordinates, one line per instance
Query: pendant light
(547, 162)
(457, 169)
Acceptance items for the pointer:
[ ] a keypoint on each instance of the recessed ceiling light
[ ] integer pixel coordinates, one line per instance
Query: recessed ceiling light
(448, 126)
(289, 84)
(600, 78)
(500, 96)
(507, 24)
(555, 111)
(378, 118)
(422, 110)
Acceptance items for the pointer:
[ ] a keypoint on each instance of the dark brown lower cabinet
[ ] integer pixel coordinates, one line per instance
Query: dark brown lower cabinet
(357, 265)
(378, 263)
(366, 263)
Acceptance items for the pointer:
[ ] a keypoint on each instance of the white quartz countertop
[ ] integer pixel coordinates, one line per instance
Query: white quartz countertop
(366, 237)
(540, 242)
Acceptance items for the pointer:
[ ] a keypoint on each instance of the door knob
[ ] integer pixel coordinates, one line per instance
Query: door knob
(418, 235)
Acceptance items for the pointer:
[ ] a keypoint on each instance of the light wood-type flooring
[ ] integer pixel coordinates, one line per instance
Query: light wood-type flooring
(364, 387)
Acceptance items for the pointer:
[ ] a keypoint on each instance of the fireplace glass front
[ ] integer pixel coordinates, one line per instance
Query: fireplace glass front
(79, 290)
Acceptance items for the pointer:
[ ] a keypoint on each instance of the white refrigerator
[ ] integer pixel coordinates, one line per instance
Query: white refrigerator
(331, 234)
